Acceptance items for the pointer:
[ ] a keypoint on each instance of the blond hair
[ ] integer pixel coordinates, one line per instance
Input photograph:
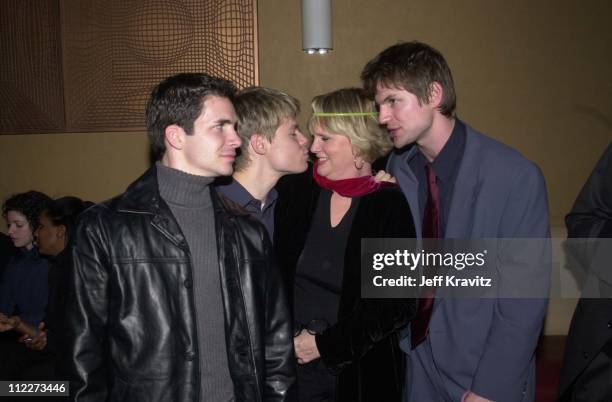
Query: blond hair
(261, 111)
(350, 112)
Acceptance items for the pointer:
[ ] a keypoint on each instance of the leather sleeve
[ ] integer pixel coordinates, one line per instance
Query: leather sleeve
(279, 353)
(86, 314)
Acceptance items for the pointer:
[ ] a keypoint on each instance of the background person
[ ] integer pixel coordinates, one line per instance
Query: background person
(56, 229)
(321, 220)
(586, 374)
(23, 289)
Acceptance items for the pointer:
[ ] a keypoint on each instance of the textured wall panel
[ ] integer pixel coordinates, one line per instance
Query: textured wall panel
(115, 51)
(112, 53)
(31, 97)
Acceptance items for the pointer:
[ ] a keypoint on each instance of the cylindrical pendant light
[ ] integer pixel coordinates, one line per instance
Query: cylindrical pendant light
(316, 26)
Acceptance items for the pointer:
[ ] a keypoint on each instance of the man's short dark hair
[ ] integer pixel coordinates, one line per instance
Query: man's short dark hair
(179, 100)
(413, 66)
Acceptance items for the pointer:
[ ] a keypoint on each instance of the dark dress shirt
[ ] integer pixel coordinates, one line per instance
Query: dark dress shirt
(237, 193)
(446, 166)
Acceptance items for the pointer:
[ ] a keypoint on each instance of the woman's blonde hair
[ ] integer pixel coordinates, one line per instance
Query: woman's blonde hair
(348, 111)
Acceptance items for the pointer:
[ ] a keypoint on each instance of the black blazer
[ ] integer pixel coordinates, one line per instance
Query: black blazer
(591, 327)
(362, 348)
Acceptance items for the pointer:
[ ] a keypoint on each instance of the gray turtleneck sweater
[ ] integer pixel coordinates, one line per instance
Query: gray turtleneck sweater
(188, 197)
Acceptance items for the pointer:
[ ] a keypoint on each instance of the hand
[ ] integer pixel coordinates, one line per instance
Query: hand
(472, 397)
(38, 342)
(381, 175)
(8, 323)
(305, 347)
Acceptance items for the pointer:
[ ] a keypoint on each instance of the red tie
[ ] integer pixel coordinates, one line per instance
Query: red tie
(431, 230)
(431, 215)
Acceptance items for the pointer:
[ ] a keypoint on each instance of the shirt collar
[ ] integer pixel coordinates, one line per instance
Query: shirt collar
(237, 193)
(447, 161)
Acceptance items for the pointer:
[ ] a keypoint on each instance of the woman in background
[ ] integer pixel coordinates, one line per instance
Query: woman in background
(24, 289)
(56, 226)
(321, 220)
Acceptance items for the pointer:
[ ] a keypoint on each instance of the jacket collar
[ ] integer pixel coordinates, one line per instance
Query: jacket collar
(143, 197)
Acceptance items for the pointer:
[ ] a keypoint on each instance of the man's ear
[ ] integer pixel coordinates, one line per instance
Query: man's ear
(258, 144)
(61, 232)
(174, 136)
(435, 94)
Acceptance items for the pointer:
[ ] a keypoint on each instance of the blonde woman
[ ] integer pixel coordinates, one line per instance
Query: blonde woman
(346, 347)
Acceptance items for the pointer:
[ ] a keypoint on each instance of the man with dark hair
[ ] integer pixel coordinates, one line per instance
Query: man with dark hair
(463, 185)
(272, 146)
(174, 295)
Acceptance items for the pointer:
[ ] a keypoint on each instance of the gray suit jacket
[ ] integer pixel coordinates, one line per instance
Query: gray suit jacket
(483, 345)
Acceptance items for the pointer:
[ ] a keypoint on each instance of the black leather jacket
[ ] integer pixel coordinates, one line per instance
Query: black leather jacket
(131, 315)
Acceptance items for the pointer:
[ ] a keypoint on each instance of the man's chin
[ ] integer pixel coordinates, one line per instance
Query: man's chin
(399, 143)
(293, 170)
(302, 169)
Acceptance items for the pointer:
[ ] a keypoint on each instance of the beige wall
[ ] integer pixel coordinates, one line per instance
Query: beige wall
(93, 166)
(532, 74)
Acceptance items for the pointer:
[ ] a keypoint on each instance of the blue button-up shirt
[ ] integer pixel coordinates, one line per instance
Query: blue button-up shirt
(237, 193)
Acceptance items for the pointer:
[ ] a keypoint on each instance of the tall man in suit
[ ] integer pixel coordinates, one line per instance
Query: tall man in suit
(462, 184)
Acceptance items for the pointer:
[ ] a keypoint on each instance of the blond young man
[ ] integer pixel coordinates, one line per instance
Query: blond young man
(272, 146)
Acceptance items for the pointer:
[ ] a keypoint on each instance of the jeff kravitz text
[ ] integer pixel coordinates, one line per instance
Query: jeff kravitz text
(429, 262)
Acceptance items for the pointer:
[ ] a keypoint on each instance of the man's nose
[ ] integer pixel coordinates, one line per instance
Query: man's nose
(302, 140)
(383, 115)
(234, 139)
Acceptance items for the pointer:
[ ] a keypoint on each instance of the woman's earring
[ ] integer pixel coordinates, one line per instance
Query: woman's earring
(358, 163)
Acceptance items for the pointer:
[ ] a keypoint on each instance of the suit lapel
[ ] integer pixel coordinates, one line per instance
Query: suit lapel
(460, 222)
(398, 166)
